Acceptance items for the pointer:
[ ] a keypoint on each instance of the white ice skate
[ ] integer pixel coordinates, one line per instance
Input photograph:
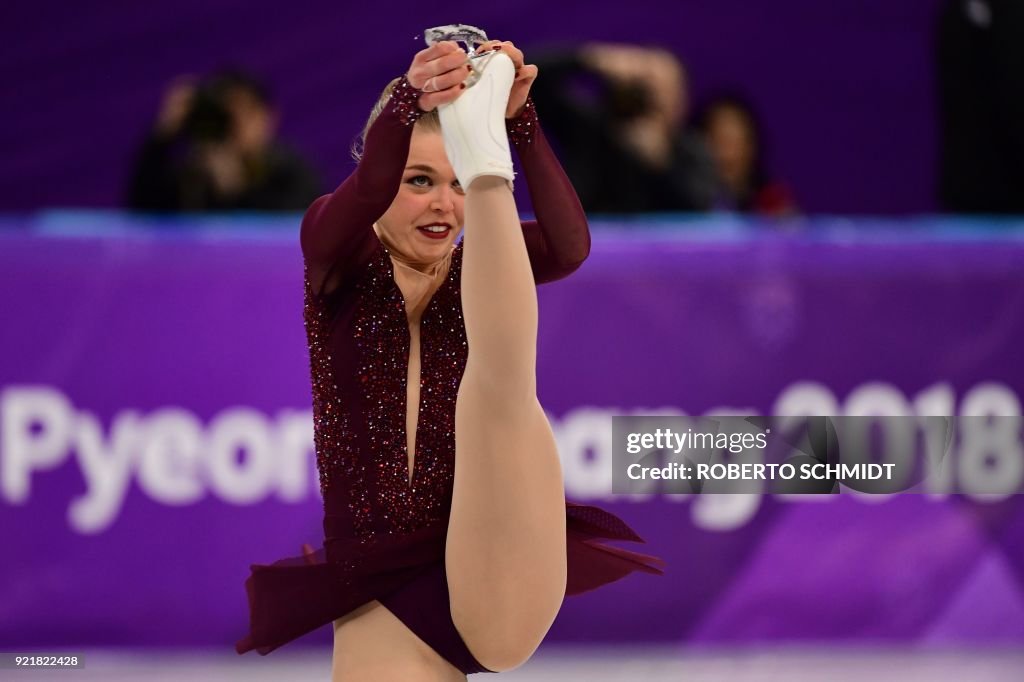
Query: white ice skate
(473, 126)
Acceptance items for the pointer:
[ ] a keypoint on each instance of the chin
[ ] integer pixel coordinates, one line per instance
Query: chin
(439, 250)
(441, 245)
(431, 252)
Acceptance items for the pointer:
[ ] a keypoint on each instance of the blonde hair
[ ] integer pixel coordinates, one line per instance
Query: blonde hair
(429, 120)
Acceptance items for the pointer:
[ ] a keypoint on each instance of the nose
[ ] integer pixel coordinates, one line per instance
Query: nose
(444, 199)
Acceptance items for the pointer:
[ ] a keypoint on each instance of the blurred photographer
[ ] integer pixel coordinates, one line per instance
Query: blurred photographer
(213, 149)
(618, 113)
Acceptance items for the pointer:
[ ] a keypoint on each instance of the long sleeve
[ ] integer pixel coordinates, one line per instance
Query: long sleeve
(337, 228)
(559, 240)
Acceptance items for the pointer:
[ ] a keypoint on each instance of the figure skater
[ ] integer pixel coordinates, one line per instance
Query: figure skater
(449, 545)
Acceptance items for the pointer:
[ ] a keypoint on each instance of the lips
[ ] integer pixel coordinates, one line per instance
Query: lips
(435, 230)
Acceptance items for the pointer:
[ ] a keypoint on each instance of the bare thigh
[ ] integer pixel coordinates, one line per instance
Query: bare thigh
(372, 644)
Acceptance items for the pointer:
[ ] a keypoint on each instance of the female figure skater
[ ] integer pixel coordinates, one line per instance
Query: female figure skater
(449, 545)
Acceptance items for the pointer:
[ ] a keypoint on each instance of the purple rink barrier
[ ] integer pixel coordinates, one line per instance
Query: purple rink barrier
(155, 434)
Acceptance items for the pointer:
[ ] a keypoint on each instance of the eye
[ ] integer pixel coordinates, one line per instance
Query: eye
(422, 181)
(458, 187)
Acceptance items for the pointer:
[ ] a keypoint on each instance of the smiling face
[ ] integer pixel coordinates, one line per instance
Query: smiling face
(425, 218)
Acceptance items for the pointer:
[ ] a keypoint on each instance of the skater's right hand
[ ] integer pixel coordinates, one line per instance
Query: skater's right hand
(439, 71)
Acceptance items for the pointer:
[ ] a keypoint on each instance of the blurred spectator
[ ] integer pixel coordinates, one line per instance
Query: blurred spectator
(733, 135)
(213, 149)
(981, 106)
(618, 114)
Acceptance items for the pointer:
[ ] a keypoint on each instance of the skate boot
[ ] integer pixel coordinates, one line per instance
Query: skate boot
(473, 126)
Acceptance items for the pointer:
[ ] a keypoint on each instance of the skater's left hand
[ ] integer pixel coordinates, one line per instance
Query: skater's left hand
(525, 75)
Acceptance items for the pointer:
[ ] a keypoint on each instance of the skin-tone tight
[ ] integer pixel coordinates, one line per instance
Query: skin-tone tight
(506, 554)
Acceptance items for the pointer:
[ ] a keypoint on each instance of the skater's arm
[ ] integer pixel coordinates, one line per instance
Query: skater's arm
(337, 233)
(558, 241)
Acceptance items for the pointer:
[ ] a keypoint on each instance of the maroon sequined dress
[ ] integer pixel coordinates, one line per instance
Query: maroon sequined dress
(385, 536)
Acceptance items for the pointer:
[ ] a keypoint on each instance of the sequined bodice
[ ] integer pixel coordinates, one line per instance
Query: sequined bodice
(359, 337)
(359, 356)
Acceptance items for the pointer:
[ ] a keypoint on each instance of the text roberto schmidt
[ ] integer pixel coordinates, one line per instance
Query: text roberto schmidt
(667, 440)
